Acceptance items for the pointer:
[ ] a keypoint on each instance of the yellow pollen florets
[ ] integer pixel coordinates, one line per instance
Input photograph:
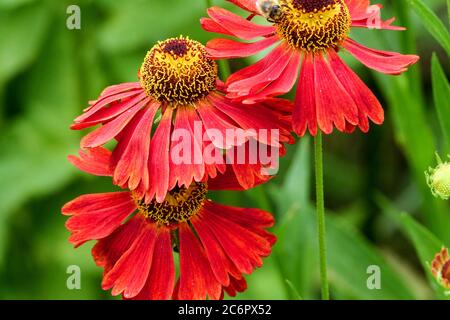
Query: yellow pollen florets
(438, 180)
(313, 25)
(178, 71)
(180, 205)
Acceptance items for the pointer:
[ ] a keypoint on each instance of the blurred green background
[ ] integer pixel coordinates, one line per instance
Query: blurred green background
(381, 211)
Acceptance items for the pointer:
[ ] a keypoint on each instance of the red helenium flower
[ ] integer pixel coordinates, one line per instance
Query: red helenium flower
(217, 244)
(308, 35)
(440, 268)
(178, 88)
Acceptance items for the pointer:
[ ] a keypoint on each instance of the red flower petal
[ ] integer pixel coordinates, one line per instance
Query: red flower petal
(333, 104)
(304, 114)
(321, 99)
(282, 85)
(211, 26)
(237, 25)
(105, 114)
(226, 48)
(263, 72)
(105, 101)
(382, 61)
(249, 5)
(159, 158)
(129, 274)
(161, 278)
(107, 132)
(190, 166)
(244, 247)
(133, 149)
(108, 250)
(220, 264)
(236, 285)
(368, 105)
(96, 161)
(217, 123)
(196, 277)
(357, 8)
(95, 216)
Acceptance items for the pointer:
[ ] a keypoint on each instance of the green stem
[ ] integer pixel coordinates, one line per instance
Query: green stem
(320, 208)
(209, 3)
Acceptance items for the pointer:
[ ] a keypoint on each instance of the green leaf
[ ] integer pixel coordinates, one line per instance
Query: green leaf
(22, 32)
(432, 23)
(350, 255)
(424, 241)
(441, 93)
(35, 146)
(427, 245)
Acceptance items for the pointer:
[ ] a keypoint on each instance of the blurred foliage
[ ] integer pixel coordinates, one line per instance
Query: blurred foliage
(48, 73)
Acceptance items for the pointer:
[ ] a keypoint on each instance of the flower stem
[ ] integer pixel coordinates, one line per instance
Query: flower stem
(320, 208)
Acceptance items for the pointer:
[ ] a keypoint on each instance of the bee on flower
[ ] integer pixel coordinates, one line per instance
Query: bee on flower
(306, 38)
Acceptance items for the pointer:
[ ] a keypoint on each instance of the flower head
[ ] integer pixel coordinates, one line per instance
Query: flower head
(136, 240)
(178, 71)
(438, 179)
(308, 36)
(179, 90)
(440, 267)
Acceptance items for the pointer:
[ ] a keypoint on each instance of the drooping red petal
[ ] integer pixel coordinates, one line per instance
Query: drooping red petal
(257, 120)
(212, 156)
(304, 114)
(110, 130)
(210, 25)
(220, 263)
(119, 88)
(238, 26)
(357, 8)
(197, 280)
(133, 150)
(368, 16)
(263, 72)
(282, 85)
(108, 250)
(186, 153)
(105, 114)
(161, 278)
(236, 285)
(129, 274)
(159, 158)
(243, 247)
(95, 216)
(382, 61)
(96, 161)
(334, 106)
(105, 101)
(368, 105)
(249, 5)
(229, 181)
(220, 128)
(227, 49)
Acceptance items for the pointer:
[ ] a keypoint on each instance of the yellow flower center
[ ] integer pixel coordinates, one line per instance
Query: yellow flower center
(178, 71)
(313, 25)
(180, 205)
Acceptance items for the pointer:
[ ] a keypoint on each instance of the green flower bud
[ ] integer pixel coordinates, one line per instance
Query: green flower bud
(439, 179)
